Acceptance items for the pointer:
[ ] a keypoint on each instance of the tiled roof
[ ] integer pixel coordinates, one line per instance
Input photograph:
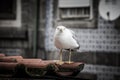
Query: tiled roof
(18, 66)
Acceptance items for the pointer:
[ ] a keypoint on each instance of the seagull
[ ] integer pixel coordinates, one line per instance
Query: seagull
(65, 38)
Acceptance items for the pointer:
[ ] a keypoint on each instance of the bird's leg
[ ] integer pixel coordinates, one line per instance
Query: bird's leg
(60, 61)
(60, 55)
(70, 57)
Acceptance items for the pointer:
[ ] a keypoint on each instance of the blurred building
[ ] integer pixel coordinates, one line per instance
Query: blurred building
(28, 26)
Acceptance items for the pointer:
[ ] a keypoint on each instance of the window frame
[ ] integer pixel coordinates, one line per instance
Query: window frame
(79, 23)
(13, 22)
(10, 29)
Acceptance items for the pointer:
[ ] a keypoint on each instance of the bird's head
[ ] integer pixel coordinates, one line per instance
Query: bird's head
(60, 28)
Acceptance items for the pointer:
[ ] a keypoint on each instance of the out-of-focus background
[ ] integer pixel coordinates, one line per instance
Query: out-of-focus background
(27, 29)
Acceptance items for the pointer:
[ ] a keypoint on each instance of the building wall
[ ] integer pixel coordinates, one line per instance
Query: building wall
(99, 47)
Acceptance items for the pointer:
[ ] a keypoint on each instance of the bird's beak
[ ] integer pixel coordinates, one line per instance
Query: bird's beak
(61, 30)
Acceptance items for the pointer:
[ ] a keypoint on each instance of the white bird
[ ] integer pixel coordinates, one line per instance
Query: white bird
(65, 38)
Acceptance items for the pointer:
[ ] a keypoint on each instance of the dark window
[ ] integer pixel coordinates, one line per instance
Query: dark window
(7, 9)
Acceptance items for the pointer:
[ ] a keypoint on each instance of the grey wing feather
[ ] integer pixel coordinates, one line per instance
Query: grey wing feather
(75, 37)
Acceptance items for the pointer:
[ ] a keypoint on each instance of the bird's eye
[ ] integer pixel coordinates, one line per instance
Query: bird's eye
(57, 28)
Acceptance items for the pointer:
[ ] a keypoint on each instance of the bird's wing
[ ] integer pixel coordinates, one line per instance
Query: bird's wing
(74, 37)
